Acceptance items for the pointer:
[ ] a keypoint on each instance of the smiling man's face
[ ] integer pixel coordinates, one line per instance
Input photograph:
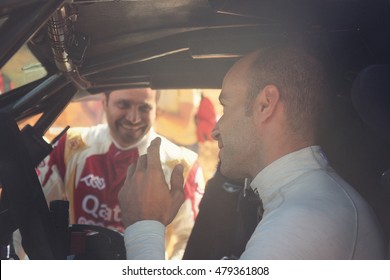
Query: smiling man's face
(130, 114)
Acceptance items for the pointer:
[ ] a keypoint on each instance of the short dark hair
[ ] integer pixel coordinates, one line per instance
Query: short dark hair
(300, 78)
(158, 93)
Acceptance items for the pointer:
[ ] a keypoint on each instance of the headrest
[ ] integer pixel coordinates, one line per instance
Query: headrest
(371, 98)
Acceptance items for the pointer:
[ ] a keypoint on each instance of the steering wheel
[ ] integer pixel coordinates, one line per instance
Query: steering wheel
(89, 242)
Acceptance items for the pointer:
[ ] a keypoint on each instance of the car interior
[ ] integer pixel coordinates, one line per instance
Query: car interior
(85, 47)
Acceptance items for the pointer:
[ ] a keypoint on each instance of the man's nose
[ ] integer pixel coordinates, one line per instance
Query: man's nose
(133, 115)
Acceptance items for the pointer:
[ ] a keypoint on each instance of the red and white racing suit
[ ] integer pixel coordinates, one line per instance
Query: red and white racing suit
(88, 168)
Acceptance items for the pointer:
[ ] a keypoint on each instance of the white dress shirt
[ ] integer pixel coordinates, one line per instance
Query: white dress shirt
(309, 213)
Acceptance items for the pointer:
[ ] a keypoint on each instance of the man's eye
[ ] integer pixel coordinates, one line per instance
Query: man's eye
(145, 109)
(122, 105)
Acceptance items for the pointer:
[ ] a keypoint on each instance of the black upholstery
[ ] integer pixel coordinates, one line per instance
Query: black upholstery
(370, 96)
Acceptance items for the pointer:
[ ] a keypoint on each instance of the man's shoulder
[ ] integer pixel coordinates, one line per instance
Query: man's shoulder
(87, 136)
(170, 147)
(80, 140)
(74, 140)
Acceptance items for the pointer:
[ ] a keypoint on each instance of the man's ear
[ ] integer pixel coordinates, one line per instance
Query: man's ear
(104, 103)
(265, 103)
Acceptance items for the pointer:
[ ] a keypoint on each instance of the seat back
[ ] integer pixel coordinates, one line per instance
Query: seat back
(370, 96)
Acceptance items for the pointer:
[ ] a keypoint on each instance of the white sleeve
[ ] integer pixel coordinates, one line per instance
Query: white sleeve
(145, 240)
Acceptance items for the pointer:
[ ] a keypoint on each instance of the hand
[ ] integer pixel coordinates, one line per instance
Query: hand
(145, 195)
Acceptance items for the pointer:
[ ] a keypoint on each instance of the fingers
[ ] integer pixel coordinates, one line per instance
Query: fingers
(150, 160)
(141, 163)
(146, 195)
(177, 191)
(177, 178)
(154, 154)
(131, 170)
(177, 183)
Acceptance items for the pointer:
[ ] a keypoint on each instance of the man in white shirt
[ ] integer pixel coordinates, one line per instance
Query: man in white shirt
(272, 101)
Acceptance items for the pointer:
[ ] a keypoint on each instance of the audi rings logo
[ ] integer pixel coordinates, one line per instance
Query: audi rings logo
(95, 182)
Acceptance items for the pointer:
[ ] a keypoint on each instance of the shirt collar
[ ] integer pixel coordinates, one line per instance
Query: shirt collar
(142, 144)
(286, 169)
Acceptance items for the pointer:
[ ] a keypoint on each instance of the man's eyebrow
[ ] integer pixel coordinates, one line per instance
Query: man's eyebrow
(150, 105)
(122, 100)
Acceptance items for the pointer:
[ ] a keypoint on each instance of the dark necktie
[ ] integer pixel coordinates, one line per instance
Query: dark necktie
(250, 206)
(250, 211)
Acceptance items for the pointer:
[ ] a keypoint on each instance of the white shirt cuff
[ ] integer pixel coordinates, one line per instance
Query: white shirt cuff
(145, 240)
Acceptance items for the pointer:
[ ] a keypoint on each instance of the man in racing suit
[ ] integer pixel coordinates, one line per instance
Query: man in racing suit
(272, 101)
(88, 166)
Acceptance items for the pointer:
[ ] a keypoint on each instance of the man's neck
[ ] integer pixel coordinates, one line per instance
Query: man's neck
(284, 146)
(130, 146)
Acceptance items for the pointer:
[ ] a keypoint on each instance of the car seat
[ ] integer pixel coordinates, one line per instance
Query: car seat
(370, 97)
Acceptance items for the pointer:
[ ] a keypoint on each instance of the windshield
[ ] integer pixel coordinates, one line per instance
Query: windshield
(21, 69)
